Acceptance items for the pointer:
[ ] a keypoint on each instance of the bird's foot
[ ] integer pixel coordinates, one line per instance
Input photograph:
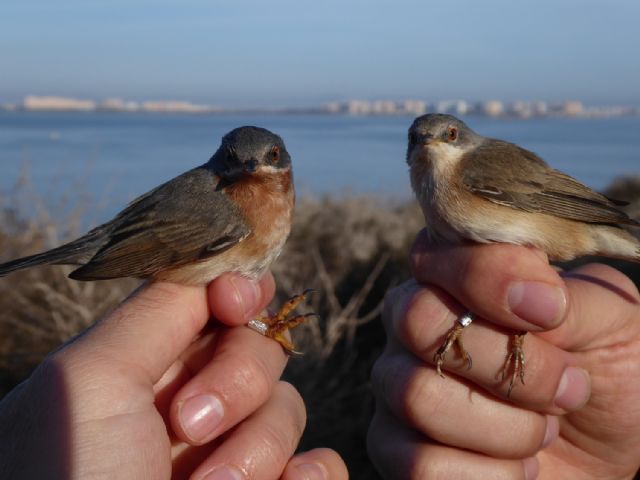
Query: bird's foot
(275, 326)
(515, 358)
(454, 337)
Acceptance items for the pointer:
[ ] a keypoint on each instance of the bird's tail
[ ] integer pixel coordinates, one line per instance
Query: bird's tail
(615, 242)
(76, 252)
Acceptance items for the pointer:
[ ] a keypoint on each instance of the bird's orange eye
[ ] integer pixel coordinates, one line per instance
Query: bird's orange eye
(452, 134)
(275, 154)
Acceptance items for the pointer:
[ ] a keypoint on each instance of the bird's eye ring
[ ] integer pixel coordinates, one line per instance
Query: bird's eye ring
(275, 154)
(452, 134)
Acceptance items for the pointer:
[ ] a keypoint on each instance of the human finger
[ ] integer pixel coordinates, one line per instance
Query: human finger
(511, 285)
(261, 446)
(443, 409)
(399, 452)
(237, 380)
(604, 306)
(316, 464)
(418, 318)
(146, 333)
(234, 299)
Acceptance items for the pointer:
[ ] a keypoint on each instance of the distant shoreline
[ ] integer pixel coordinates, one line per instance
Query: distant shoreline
(490, 109)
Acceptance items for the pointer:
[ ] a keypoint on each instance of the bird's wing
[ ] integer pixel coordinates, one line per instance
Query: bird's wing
(506, 174)
(184, 220)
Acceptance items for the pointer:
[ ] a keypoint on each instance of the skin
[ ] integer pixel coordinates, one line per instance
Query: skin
(115, 399)
(577, 415)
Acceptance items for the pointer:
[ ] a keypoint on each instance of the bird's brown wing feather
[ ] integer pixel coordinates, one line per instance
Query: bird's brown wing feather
(184, 220)
(506, 174)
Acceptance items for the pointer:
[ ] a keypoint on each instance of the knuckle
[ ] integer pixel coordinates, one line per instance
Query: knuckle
(384, 375)
(412, 390)
(252, 378)
(423, 316)
(390, 299)
(422, 397)
(372, 440)
(395, 303)
(378, 375)
(296, 406)
(280, 440)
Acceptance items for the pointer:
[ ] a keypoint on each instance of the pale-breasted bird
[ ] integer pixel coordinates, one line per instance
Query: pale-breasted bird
(232, 214)
(487, 190)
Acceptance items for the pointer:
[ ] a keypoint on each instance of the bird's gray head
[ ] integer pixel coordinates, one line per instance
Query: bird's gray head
(436, 136)
(249, 150)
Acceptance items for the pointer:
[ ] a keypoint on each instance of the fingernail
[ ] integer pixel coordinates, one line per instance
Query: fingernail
(538, 303)
(224, 473)
(552, 432)
(574, 389)
(531, 468)
(200, 416)
(310, 471)
(247, 295)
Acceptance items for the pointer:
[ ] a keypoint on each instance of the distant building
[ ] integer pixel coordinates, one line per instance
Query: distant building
(33, 102)
(462, 107)
(572, 108)
(493, 108)
(333, 107)
(358, 107)
(174, 106)
(384, 107)
(414, 107)
(118, 105)
(444, 106)
(540, 108)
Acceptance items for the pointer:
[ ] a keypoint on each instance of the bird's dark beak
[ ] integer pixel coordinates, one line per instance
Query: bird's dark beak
(250, 166)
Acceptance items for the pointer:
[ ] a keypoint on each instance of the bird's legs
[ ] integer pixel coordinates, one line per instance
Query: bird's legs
(515, 357)
(454, 336)
(274, 326)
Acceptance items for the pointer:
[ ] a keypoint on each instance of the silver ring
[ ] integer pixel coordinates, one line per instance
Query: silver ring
(466, 319)
(258, 326)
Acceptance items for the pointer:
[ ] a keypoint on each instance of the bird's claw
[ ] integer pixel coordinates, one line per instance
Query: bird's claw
(275, 326)
(515, 357)
(453, 337)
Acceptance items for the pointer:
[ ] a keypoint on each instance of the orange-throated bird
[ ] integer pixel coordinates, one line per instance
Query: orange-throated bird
(232, 214)
(487, 190)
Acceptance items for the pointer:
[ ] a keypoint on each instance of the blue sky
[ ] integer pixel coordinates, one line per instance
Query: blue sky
(295, 52)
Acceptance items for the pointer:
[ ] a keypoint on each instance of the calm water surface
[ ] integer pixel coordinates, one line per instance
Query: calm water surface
(116, 156)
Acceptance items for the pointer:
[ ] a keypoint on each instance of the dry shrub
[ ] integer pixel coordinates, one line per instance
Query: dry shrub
(41, 308)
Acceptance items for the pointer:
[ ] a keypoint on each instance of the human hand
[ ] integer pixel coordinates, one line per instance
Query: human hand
(564, 423)
(155, 390)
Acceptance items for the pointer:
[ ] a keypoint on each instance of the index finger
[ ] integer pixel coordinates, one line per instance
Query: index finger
(157, 323)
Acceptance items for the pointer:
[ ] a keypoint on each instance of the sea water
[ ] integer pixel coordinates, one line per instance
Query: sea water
(113, 157)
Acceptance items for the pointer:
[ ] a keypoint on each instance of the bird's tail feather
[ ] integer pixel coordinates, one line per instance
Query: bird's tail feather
(615, 242)
(75, 252)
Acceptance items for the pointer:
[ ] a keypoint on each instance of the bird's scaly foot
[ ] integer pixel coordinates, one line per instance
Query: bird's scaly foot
(275, 326)
(454, 336)
(515, 357)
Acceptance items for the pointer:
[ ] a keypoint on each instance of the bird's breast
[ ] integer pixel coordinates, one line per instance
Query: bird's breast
(266, 203)
(439, 196)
